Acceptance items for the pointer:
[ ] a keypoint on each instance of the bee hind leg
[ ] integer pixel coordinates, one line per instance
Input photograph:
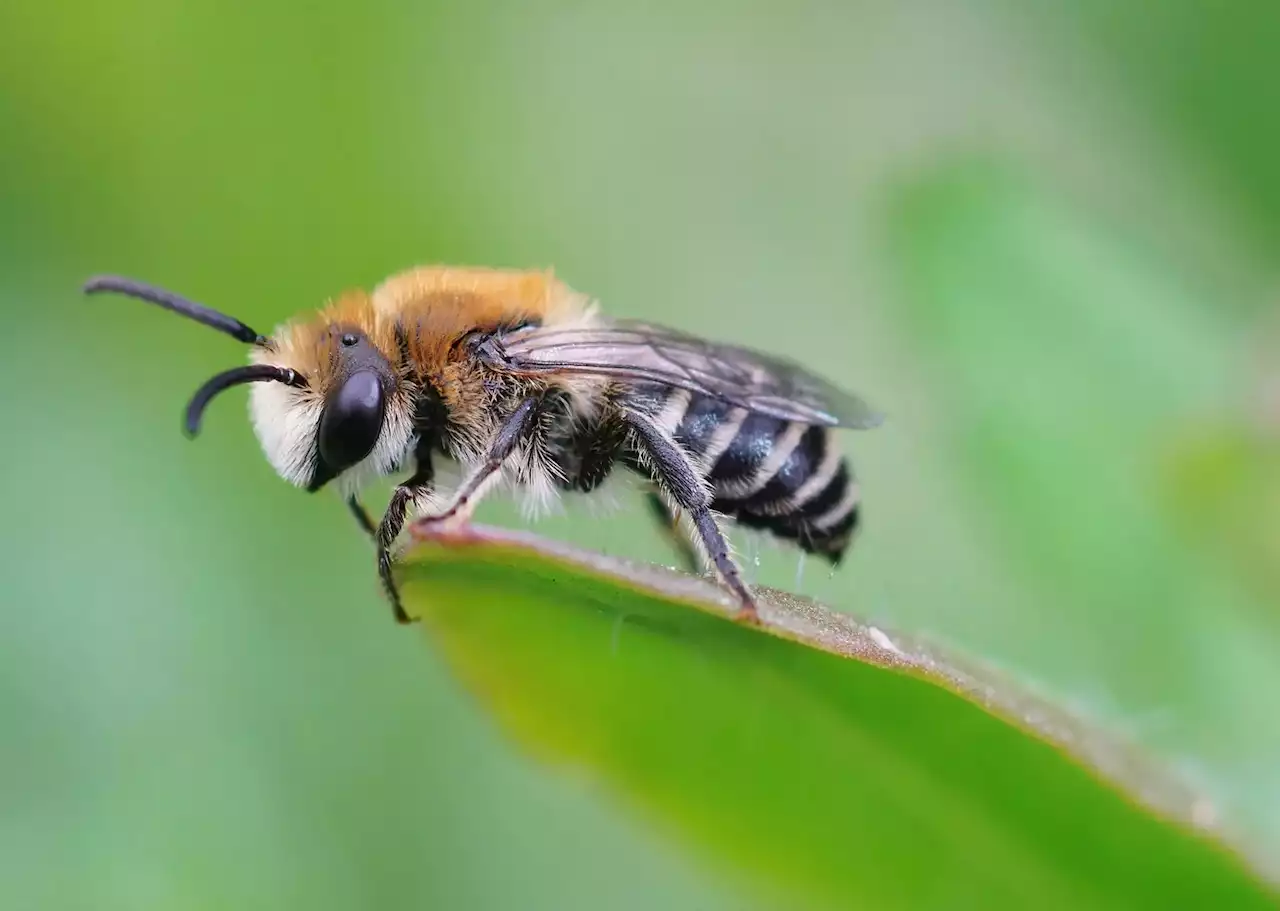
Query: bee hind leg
(717, 546)
(690, 561)
(673, 469)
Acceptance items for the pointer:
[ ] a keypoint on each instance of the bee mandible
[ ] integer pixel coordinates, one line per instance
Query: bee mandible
(525, 384)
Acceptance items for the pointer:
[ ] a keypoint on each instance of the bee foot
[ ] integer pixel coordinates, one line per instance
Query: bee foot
(440, 526)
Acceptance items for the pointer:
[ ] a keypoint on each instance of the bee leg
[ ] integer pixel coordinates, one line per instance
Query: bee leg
(670, 525)
(389, 529)
(362, 517)
(387, 532)
(504, 442)
(717, 546)
(674, 470)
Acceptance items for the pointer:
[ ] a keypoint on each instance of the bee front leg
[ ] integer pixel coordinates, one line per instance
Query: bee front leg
(513, 430)
(675, 471)
(362, 517)
(389, 528)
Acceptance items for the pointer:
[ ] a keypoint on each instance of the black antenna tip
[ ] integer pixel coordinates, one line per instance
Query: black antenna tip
(98, 283)
(177, 304)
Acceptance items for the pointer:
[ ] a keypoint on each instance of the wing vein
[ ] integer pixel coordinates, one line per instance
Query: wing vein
(745, 378)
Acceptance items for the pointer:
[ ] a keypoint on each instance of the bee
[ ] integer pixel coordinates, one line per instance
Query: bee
(522, 382)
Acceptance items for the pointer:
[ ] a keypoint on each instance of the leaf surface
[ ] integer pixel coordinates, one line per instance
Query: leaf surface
(817, 755)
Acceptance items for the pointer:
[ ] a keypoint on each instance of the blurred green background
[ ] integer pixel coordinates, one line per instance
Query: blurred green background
(1042, 239)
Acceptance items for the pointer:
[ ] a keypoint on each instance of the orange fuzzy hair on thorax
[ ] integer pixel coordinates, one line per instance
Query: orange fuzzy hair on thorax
(438, 305)
(434, 306)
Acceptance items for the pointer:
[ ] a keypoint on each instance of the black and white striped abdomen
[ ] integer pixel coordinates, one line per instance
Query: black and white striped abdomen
(785, 477)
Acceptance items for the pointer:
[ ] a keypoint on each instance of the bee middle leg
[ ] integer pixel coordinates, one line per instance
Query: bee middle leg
(675, 471)
(514, 429)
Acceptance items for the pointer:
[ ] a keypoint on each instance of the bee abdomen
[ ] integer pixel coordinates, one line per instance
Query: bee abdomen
(823, 524)
(784, 477)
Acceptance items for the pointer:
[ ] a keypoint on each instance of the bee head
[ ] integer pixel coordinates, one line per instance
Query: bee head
(326, 402)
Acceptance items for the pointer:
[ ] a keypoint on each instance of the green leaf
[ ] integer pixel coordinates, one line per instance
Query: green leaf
(1084, 386)
(824, 758)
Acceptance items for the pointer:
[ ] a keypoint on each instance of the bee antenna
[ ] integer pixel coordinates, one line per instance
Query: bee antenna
(177, 303)
(255, 373)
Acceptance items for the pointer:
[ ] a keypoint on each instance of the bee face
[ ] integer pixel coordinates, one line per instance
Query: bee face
(352, 418)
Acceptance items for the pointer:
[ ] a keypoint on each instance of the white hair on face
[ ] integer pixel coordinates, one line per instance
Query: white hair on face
(286, 420)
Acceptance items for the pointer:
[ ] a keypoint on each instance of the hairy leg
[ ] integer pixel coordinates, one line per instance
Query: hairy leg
(362, 517)
(675, 471)
(669, 524)
(392, 522)
(504, 442)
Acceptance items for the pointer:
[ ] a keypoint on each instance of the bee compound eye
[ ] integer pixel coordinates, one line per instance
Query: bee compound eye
(352, 420)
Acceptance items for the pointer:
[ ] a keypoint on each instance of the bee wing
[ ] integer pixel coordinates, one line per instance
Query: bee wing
(750, 379)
